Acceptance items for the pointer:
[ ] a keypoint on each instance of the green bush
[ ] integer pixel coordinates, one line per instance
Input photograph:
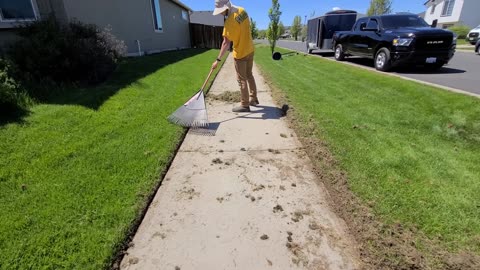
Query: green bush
(460, 30)
(66, 53)
(12, 97)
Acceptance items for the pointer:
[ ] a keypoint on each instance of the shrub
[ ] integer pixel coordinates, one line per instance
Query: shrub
(66, 53)
(460, 30)
(12, 97)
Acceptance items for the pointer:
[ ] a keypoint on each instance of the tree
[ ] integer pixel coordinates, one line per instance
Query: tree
(262, 34)
(379, 7)
(281, 29)
(272, 33)
(296, 27)
(304, 32)
(253, 28)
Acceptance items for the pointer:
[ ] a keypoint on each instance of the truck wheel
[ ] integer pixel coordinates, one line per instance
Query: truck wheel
(382, 60)
(339, 54)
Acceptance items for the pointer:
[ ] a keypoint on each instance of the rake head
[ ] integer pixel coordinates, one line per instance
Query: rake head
(192, 114)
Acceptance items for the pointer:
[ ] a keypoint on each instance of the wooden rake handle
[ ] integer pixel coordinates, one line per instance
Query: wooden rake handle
(205, 83)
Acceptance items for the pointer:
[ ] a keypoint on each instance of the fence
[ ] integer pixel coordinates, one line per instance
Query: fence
(206, 36)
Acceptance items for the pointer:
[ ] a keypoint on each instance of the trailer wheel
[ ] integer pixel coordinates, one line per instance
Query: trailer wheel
(308, 49)
(382, 60)
(339, 54)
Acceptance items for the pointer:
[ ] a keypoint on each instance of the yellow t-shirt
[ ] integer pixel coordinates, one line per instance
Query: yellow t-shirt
(237, 30)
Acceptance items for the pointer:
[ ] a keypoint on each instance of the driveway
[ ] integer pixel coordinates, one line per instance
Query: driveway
(463, 71)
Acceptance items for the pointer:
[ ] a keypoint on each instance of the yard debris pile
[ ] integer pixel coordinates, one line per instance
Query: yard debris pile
(227, 96)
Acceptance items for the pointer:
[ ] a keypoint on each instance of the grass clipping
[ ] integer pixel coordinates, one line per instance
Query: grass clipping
(227, 96)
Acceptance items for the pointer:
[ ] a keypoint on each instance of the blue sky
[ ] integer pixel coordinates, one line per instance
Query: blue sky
(258, 9)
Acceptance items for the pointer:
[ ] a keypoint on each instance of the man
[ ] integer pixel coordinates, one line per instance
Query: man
(477, 47)
(237, 30)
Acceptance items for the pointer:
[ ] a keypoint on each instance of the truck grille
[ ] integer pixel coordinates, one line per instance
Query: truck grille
(433, 43)
(473, 35)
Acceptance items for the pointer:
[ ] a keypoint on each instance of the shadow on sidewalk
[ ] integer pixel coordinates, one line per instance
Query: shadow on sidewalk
(260, 112)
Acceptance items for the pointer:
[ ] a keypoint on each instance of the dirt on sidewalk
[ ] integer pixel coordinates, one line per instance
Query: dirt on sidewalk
(245, 198)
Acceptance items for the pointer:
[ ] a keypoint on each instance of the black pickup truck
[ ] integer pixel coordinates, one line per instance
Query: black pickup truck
(396, 40)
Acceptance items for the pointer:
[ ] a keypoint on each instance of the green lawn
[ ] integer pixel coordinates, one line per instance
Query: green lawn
(76, 172)
(413, 151)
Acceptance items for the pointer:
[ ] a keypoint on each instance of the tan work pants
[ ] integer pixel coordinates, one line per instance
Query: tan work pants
(245, 79)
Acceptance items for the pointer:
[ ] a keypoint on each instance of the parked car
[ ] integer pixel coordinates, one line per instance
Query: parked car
(320, 30)
(473, 35)
(396, 40)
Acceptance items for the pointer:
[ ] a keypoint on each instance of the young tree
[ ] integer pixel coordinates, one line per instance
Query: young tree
(304, 32)
(379, 7)
(281, 29)
(253, 28)
(296, 27)
(272, 33)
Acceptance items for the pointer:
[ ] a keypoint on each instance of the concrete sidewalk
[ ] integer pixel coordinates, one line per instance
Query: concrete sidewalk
(245, 198)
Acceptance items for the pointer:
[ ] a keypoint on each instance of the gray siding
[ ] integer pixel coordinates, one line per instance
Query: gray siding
(52, 7)
(7, 37)
(133, 20)
(43, 9)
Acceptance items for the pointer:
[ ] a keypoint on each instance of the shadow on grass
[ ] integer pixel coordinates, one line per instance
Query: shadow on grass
(11, 115)
(127, 73)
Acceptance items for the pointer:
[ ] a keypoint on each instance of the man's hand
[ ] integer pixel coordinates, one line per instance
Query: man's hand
(215, 64)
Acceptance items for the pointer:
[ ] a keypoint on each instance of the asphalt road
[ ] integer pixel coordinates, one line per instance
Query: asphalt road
(463, 71)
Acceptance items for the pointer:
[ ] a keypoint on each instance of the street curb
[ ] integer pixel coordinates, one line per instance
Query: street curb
(451, 89)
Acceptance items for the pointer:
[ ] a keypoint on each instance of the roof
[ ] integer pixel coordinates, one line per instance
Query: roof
(428, 1)
(206, 18)
(181, 5)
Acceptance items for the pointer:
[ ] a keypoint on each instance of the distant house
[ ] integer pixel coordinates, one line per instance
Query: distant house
(453, 12)
(146, 26)
(206, 18)
(286, 34)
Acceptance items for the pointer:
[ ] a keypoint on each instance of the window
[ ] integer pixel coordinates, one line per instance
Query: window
(373, 24)
(433, 9)
(392, 22)
(360, 24)
(18, 10)
(185, 15)
(157, 15)
(448, 7)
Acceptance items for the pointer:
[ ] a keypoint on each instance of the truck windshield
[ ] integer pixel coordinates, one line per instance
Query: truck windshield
(390, 22)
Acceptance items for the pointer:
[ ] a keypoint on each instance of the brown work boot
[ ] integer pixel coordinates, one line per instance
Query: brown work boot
(254, 102)
(241, 109)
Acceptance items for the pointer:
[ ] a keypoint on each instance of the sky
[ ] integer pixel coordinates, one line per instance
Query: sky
(258, 9)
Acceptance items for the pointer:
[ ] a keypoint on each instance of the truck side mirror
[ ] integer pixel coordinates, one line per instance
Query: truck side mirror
(434, 23)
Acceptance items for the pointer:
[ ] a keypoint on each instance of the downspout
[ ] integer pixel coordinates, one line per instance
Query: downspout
(139, 47)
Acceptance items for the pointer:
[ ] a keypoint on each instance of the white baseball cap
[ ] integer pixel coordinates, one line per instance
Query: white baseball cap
(221, 6)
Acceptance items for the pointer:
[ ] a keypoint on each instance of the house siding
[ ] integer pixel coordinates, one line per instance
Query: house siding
(464, 12)
(43, 9)
(133, 20)
(471, 13)
(437, 15)
(52, 7)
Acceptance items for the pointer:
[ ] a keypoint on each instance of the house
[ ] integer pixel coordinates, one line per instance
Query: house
(146, 26)
(286, 34)
(453, 12)
(206, 18)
